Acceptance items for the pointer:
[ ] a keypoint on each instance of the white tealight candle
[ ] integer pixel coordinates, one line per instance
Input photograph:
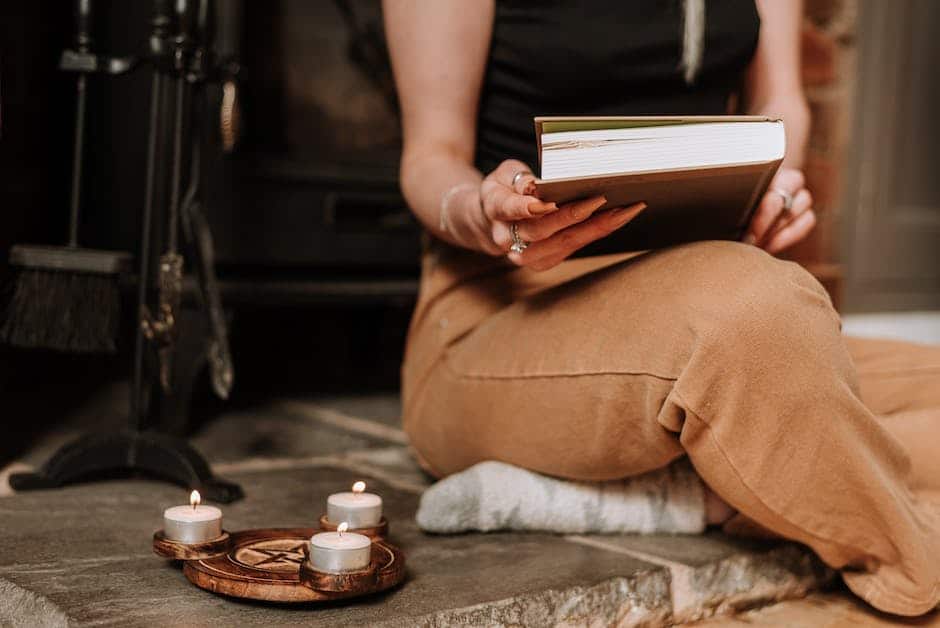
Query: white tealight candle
(357, 508)
(193, 523)
(340, 551)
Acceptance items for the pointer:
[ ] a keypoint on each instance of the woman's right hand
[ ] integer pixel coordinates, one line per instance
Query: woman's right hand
(552, 232)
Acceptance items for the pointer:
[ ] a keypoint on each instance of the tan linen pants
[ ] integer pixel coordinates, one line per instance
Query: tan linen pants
(612, 366)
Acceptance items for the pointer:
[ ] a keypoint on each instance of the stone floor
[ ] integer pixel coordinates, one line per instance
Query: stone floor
(82, 554)
(818, 610)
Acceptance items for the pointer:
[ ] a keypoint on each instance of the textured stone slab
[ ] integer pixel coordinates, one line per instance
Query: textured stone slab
(294, 428)
(272, 435)
(716, 574)
(86, 550)
(838, 609)
(387, 429)
(382, 408)
(267, 432)
(105, 410)
(397, 462)
(690, 550)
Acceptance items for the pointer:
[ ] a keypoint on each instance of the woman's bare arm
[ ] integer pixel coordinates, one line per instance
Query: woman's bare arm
(773, 85)
(774, 88)
(439, 51)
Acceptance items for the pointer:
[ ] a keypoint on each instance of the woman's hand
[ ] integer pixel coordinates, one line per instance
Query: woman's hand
(552, 233)
(774, 227)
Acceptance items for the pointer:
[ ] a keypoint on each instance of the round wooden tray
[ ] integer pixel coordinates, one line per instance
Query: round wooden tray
(266, 564)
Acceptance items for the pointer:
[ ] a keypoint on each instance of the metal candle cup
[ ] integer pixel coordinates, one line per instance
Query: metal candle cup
(340, 551)
(358, 509)
(193, 523)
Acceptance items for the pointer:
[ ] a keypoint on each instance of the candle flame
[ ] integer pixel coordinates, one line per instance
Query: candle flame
(342, 527)
(359, 487)
(194, 499)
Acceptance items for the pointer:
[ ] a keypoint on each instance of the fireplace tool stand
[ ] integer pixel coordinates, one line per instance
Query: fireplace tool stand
(165, 333)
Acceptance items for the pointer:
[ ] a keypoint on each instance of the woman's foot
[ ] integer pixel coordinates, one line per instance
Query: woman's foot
(498, 496)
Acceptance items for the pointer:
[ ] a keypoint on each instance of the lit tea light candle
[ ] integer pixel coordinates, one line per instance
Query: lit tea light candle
(340, 551)
(193, 523)
(358, 508)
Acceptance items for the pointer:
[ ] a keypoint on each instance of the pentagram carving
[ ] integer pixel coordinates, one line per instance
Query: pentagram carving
(282, 555)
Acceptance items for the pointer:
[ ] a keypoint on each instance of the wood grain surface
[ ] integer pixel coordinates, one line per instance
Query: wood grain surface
(378, 531)
(163, 546)
(271, 565)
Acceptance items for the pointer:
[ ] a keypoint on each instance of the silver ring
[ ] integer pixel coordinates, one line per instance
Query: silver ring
(518, 244)
(787, 198)
(515, 177)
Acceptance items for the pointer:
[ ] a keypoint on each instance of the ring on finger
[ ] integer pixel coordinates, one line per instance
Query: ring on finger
(518, 244)
(519, 175)
(787, 198)
(786, 216)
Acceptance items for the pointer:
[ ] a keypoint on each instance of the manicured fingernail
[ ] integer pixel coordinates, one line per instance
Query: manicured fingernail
(588, 206)
(538, 207)
(749, 239)
(630, 208)
(623, 214)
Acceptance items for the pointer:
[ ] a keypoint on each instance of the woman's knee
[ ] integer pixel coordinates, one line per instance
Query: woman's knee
(739, 290)
(768, 320)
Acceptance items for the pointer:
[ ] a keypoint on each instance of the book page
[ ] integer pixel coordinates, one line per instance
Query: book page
(570, 154)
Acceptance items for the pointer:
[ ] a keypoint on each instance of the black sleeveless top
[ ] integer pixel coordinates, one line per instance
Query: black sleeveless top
(603, 57)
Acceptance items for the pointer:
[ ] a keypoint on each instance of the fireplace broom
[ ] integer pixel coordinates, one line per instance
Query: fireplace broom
(67, 298)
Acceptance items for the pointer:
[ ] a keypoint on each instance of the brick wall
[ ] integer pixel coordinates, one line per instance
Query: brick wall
(829, 78)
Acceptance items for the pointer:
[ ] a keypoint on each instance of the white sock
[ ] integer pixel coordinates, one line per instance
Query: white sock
(497, 496)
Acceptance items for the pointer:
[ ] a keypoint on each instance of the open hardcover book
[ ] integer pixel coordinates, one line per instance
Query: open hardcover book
(702, 177)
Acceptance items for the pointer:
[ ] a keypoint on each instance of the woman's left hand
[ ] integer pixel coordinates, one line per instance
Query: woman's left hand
(794, 224)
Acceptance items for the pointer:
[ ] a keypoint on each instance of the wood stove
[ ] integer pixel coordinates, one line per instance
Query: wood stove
(308, 203)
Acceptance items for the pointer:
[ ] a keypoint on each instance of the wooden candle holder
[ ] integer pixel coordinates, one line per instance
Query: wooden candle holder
(384, 571)
(163, 546)
(376, 532)
(271, 565)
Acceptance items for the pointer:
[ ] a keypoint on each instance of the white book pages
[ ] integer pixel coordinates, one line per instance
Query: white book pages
(572, 154)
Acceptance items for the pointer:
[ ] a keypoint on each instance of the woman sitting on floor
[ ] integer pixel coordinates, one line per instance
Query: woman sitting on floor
(603, 368)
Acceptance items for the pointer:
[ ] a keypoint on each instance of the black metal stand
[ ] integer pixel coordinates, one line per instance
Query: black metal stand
(148, 453)
(157, 347)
